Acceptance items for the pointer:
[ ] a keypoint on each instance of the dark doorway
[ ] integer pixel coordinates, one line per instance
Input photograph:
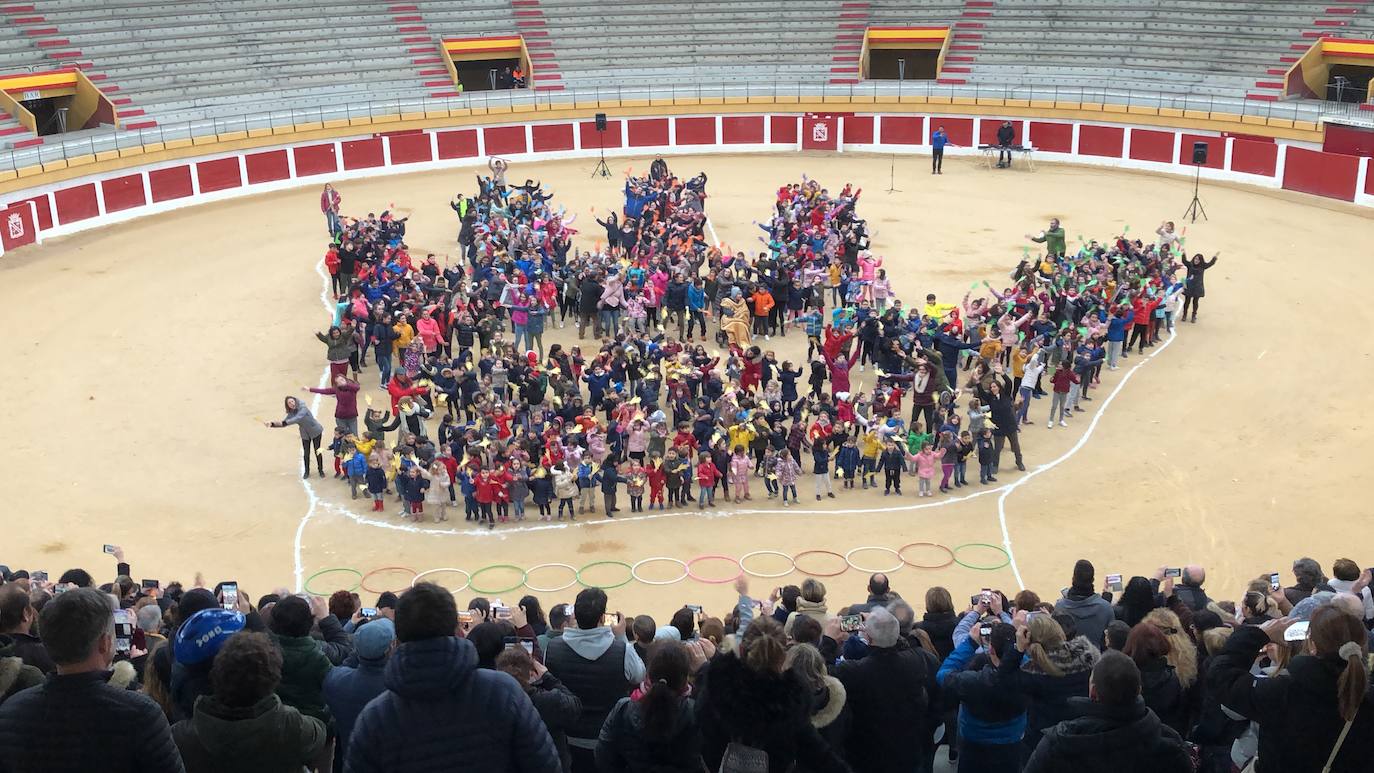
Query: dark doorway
(908, 64)
(1349, 83)
(50, 114)
(488, 74)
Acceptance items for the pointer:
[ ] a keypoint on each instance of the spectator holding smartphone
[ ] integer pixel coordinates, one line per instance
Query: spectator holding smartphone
(992, 713)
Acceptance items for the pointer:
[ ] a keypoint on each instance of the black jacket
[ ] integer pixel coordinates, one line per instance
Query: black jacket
(29, 649)
(1006, 135)
(767, 711)
(81, 722)
(1051, 696)
(1296, 712)
(939, 626)
(1160, 688)
(890, 692)
(559, 708)
(625, 748)
(1110, 740)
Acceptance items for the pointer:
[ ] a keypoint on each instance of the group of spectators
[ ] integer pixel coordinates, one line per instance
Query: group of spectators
(1156, 675)
(652, 410)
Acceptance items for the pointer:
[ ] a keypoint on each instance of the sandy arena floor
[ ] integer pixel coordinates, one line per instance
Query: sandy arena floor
(144, 357)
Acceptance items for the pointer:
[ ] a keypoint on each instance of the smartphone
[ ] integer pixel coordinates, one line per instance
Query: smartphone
(1296, 631)
(1274, 582)
(369, 611)
(985, 630)
(694, 608)
(501, 613)
(229, 592)
(110, 549)
(465, 615)
(39, 575)
(62, 587)
(1034, 613)
(1114, 583)
(508, 642)
(609, 619)
(975, 599)
(986, 595)
(1173, 572)
(528, 644)
(124, 630)
(850, 623)
(151, 584)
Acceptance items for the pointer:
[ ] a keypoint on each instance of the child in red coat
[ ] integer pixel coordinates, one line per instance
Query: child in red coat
(658, 480)
(707, 475)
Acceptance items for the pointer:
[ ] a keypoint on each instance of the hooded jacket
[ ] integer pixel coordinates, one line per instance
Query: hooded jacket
(441, 713)
(16, 675)
(1090, 612)
(624, 746)
(348, 690)
(1105, 739)
(599, 669)
(303, 669)
(1051, 696)
(266, 737)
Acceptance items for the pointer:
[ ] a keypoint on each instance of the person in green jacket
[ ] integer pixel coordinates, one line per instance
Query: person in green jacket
(1052, 238)
(304, 664)
(243, 725)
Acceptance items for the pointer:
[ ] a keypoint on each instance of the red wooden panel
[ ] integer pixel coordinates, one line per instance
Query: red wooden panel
(76, 203)
(592, 139)
(987, 132)
(363, 154)
(783, 129)
(1369, 179)
(1312, 171)
(44, 212)
(901, 130)
(410, 148)
(958, 130)
(122, 193)
(1216, 150)
(171, 183)
(315, 159)
(741, 129)
(1150, 145)
(1254, 157)
(267, 166)
(695, 131)
(648, 131)
(553, 136)
(20, 228)
(1052, 137)
(219, 174)
(1350, 140)
(458, 144)
(820, 132)
(858, 130)
(1100, 140)
(504, 140)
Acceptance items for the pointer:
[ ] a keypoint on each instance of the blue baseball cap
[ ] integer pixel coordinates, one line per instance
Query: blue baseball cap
(199, 639)
(373, 639)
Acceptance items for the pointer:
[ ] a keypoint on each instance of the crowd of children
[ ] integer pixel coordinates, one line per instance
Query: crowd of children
(651, 409)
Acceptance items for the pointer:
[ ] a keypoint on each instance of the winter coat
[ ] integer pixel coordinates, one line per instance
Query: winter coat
(81, 722)
(441, 713)
(16, 675)
(1107, 739)
(348, 690)
(1091, 613)
(28, 648)
(303, 669)
(939, 626)
(890, 693)
(623, 746)
(1160, 688)
(304, 421)
(1296, 712)
(1050, 695)
(558, 708)
(266, 737)
(767, 711)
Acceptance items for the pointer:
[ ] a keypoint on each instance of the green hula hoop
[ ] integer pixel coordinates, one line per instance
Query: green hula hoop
(358, 580)
(1006, 557)
(472, 582)
(628, 580)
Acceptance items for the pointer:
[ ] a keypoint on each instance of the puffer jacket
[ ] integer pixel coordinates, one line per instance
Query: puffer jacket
(1104, 739)
(303, 669)
(1050, 695)
(624, 746)
(441, 713)
(266, 737)
(812, 609)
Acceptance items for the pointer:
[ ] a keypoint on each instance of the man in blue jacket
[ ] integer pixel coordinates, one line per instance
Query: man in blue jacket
(348, 689)
(938, 141)
(992, 712)
(440, 712)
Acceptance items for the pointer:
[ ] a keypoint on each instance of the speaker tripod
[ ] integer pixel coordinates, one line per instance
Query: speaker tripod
(892, 175)
(1195, 208)
(601, 170)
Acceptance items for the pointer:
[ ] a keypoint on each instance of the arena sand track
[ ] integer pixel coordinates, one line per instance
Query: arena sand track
(143, 357)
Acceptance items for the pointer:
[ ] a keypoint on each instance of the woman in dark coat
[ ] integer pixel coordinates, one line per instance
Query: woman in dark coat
(748, 699)
(1055, 670)
(655, 729)
(939, 620)
(1137, 600)
(1159, 686)
(1193, 289)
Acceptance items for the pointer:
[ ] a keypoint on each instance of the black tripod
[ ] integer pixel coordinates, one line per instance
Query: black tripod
(1194, 209)
(601, 170)
(892, 175)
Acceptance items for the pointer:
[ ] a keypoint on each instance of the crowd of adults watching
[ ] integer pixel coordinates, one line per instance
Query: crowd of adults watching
(1150, 674)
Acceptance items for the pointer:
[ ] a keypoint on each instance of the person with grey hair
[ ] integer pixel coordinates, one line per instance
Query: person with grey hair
(76, 720)
(1308, 575)
(890, 691)
(150, 619)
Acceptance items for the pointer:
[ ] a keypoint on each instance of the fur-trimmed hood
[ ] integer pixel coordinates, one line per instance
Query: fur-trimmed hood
(1074, 656)
(122, 674)
(827, 703)
(750, 702)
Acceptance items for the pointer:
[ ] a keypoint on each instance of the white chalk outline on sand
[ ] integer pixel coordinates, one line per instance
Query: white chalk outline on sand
(1004, 490)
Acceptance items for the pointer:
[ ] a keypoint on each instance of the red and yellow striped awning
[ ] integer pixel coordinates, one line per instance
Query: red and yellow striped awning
(49, 83)
(907, 37)
(1343, 47)
(510, 44)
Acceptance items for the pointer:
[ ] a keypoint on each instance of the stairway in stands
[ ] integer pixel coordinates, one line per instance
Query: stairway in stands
(1331, 23)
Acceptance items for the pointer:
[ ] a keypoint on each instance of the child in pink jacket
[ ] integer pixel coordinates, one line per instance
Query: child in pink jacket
(740, 466)
(926, 461)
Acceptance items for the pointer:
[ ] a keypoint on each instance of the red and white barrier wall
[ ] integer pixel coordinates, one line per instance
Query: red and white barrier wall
(116, 196)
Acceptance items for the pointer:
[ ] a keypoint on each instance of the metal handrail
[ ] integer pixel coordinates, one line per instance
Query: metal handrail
(95, 141)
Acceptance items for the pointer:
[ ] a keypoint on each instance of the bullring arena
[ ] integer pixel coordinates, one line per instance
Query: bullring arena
(176, 291)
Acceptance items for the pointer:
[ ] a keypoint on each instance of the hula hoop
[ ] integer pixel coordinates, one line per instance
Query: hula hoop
(856, 567)
(947, 562)
(634, 571)
(363, 581)
(820, 553)
(718, 558)
(472, 581)
(1005, 556)
(306, 585)
(763, 575)
(606, 563)
(534, 569)
(467, 581)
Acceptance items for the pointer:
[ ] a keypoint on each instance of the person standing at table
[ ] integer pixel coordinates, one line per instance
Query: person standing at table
(1006, 137)
(938, 140)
